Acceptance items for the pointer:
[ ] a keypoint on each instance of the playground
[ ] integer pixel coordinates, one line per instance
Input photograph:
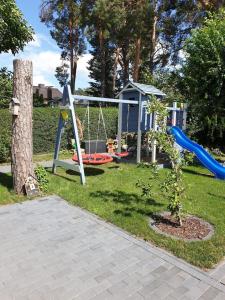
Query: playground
(126, 185)
(112, 179)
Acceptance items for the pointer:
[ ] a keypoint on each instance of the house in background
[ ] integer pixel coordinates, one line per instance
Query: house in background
(50, 95)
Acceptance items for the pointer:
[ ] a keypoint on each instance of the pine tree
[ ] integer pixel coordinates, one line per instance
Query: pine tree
(63, 17)
(95, 68)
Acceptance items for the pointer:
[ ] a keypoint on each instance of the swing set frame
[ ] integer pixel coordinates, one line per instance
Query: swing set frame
(67, 104)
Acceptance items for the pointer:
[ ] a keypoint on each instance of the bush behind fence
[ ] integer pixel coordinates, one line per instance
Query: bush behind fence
(45, 122)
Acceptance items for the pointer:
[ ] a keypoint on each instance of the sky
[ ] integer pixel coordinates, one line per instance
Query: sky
(43, 51)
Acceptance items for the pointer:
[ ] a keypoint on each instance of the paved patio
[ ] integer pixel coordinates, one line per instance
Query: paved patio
(51, 250)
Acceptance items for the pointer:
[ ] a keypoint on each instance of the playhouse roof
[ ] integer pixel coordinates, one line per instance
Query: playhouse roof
(145, 89)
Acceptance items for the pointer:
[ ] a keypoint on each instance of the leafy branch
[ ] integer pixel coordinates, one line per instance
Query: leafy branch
(173, 187)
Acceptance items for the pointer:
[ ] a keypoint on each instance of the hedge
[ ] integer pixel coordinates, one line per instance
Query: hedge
(45, 121)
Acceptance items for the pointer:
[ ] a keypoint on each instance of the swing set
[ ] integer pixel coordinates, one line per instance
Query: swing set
(68, 104)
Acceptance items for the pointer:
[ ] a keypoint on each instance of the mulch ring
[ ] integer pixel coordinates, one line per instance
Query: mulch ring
(192, 229)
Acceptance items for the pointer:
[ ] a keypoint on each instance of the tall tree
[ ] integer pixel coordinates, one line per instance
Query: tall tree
(204, 76)
(15, 33)
(63, 19)
(96, 20)
(170, 24)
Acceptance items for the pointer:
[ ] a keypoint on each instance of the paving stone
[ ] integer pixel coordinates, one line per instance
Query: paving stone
(135, 296)
(162, 291)
(178, 293)
(103, 296)
(149, 288)
(51, 250)
(210, 294)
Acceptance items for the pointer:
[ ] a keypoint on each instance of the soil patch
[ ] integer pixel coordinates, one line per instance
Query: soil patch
(193, 228)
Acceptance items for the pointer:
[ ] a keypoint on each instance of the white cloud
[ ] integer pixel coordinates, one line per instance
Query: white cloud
(82, 71)
(45, 40)
(83, 63)
(44, 62)
(37, 79)
(36, 43)
(46, 57)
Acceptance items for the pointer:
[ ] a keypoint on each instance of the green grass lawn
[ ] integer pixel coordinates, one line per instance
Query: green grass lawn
(49, 156)
(111, 193)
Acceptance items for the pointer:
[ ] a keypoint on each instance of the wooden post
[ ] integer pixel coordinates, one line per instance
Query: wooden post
(139, 129)
(174, 114)
(119, 132)
(77, 139)
(58, 142)
(148, 140)
(184, 125)
(154, 116)
(22, 138)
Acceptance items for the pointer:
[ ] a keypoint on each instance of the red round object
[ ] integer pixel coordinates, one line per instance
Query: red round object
(122, 154)
(94, 159)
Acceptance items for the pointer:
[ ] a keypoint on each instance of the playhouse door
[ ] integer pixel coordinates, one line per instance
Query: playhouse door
(133, 118)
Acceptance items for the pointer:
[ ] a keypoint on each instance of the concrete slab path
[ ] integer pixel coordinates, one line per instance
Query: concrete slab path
(47, 164)
(50, 250)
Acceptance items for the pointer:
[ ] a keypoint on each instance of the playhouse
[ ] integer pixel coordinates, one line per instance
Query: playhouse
(134, 117)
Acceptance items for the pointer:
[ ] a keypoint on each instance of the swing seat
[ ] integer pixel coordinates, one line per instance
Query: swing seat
(94, 159)
(122, 154)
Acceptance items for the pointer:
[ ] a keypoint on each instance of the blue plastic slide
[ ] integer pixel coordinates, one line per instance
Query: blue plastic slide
(204, 157)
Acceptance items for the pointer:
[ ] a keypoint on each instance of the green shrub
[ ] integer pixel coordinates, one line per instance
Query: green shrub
(5, 142)
(45, 123)
(5, 135)
(42, 178)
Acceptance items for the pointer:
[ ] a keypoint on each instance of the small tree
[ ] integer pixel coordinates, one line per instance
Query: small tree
(173, 186)
(204, 79)
(14, 30)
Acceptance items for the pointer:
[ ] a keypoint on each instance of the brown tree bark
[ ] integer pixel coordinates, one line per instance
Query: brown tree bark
(125, 63)
(22, 138)
(115, 65)
(153, 43)
(137, 59)
(103, 65)
(72, 77)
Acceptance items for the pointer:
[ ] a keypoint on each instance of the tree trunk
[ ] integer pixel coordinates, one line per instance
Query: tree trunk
(153, 43)
(75, 56)
(72, 79)
(103, 63)
(126, 61)
(137, 59)
(22, 138)
(115, 65)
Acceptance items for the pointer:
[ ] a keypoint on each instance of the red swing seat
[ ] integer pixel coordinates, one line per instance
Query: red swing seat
(122, 154)
(94, 159)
